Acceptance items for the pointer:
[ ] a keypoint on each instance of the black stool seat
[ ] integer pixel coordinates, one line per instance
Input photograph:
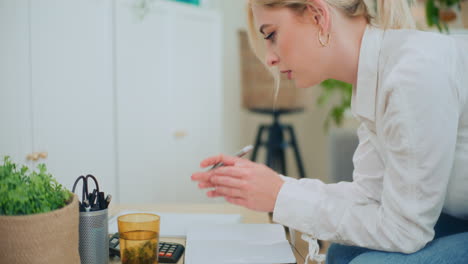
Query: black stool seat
(276, 143)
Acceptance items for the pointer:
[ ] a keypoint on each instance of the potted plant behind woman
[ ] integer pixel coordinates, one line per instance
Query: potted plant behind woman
(38, 217)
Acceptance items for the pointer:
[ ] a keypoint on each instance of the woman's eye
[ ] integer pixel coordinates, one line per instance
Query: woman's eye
(270, 36)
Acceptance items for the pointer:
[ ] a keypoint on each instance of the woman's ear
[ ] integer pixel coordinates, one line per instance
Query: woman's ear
(319, 12)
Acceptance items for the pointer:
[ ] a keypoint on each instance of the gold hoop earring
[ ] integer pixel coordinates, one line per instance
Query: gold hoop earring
(324, 44)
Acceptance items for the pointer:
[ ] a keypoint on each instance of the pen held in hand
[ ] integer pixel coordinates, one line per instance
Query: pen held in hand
(239, 154)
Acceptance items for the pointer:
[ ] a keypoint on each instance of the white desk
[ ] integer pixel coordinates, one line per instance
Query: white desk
(248, 216)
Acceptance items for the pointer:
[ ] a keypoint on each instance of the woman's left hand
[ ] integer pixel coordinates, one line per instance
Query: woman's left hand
(241, 182)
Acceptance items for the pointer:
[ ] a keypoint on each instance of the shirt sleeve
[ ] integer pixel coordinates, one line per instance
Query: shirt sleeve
(398, 191)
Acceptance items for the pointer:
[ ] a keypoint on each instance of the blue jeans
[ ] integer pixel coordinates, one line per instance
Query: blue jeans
(450, 245)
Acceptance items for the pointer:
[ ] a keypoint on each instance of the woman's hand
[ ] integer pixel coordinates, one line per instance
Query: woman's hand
(241, 182)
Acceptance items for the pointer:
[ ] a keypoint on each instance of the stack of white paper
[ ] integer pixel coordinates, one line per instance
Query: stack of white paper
(176, 225)
(238, 243)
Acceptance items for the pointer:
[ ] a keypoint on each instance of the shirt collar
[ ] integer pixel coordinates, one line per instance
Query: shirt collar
(364, 94)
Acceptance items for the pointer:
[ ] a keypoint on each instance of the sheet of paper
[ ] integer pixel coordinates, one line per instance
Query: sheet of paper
(238, 243)
(237, 252)
(245, 232)
(176, 225)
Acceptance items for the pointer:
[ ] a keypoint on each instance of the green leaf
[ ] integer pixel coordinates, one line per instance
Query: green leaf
(432, 12)
(344, 90)
(29, 192)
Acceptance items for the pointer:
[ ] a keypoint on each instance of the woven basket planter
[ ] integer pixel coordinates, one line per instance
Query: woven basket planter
(46, 238)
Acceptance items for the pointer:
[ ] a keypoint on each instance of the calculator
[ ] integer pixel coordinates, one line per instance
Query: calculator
(169, 252)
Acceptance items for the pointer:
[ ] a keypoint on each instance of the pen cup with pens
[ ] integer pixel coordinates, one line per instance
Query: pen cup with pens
(94, 243)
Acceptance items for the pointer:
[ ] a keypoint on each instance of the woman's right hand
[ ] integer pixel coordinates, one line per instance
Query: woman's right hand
(241, 182)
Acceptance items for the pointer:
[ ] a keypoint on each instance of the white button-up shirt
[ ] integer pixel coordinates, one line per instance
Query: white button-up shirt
(412, 159)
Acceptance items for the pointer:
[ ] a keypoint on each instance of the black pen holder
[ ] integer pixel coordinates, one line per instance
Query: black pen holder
(94, 241)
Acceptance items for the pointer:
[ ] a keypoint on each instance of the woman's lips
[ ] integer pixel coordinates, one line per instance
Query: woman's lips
(289, 74)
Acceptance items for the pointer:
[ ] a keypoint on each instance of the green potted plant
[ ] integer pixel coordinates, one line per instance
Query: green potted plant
(337, 111)
(441, 12)
(39, 218)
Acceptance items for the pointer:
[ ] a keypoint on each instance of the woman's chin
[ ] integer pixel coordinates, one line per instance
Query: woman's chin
(302, 85)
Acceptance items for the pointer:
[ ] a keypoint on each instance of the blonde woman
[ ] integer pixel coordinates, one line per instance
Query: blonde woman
(408, 202)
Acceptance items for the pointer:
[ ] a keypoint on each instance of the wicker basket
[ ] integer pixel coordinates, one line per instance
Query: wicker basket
(464, 13)
(46, 238)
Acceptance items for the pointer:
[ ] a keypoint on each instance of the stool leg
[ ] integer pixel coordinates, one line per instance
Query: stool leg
(258, 142)
(275, 149)
(296, 152)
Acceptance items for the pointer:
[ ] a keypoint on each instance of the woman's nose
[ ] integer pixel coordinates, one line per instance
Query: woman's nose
(272, 59)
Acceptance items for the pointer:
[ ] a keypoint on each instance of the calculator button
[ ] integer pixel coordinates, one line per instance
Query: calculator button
(161, 254)
(169, 254)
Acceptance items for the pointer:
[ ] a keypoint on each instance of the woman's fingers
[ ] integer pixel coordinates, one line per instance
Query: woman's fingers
(231, 171)
(201, 176)
(227, 181)
(236, 201)
(241, 182)
(204, 185)
(221, 158)
(228, 191)
(213, 194)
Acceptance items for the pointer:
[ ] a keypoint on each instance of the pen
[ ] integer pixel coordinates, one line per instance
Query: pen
(101, 201)
(86, 205)
(108, 200)
(239, 154)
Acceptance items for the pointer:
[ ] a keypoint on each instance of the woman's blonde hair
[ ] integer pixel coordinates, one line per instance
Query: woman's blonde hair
(390, 14)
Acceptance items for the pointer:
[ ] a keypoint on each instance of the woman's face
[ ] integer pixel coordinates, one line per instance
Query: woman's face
(292, 44)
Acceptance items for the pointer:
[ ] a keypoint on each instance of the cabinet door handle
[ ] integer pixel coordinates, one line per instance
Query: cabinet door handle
(29, 157)
(34, 156)
(37, 155)
(179, 134)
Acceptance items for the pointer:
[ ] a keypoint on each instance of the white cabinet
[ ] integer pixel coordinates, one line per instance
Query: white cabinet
(169, 100)
(58, 82)
(135, 101)
(15, 80)
(72, 91)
